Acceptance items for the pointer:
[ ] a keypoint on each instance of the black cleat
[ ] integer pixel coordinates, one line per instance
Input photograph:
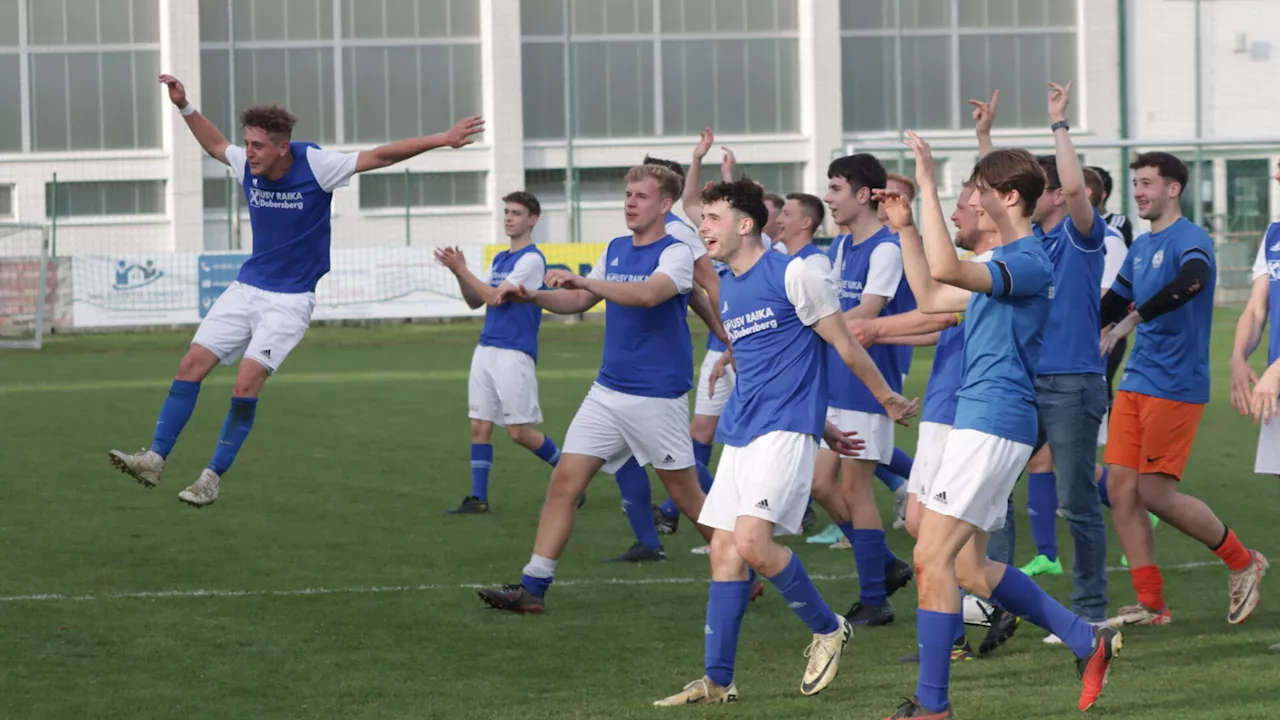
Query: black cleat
(638, 553)
(870, 615)
(913, 709)
(665, 525)
(1003, 625)
(809, 520)
(471, 505)
(512, 598)
(897, 577)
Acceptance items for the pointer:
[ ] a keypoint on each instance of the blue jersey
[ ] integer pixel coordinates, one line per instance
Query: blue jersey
(780, 386)
(647, 351)
(515, 325)
(1003, 335)
(1170, 357)
(290, 217)
(713, 342)
(945, 378)
(1269, 264)
(852, 263)
(1071, 337)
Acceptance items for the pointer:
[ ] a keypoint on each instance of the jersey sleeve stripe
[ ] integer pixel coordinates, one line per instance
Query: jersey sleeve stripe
(1204, 254)
(1006, 277)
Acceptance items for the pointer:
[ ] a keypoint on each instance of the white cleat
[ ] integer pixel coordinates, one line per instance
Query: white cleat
(700, 692)
(144, 466)
(1245, 588)
(203, 491)
(824, 658)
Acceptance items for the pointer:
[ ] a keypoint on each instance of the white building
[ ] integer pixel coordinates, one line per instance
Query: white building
(787, 84)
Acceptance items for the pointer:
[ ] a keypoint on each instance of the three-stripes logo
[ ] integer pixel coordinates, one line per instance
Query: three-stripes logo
(941, 497)
(762, 505)
(667, 459)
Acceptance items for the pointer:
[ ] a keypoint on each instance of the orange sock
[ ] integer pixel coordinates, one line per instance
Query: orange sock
(1231, 552)
(1149, 583)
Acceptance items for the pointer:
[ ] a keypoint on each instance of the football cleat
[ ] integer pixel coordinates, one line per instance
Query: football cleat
(202, 492)
(144, 466)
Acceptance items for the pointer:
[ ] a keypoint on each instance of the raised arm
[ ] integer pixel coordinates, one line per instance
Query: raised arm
(1070, 173)
(475, 291)
(945, 265)
(460, 135)
(984, 114)
(692, 198)
(209, 137)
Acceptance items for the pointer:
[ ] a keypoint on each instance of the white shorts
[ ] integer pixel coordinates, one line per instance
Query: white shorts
(713, 405)
(503, 387)
(259, 324)
(929, 446)
(768, 479)
(874, 429)
(614, 426)
(977, 475)
(1267, 461)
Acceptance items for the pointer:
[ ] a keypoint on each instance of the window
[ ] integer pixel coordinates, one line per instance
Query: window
(398, 190)
(661, 67)
(921, 55)
(409, 67)
(217, 193)
(107, 197)
(609, 184)
(6, 201)
(100, 54)
(1248, 196)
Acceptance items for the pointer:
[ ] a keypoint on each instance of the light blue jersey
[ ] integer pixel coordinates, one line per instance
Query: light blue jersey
(781, 384)
(1003, 335)
(514, 325)
(1071, 337)
(1269, 264)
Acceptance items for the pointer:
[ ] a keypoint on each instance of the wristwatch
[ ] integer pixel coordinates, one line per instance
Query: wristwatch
(1060, 124)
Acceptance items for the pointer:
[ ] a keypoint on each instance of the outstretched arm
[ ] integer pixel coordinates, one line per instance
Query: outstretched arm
(563, 301)
(984, 114)
(460, 135)
(945, 265)
(692, 197)
(1070, 173)
(891, 329)
(209, 137)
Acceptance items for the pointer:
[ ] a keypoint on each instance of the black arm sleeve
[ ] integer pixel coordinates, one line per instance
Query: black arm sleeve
(1190, 281)
(1114, 306)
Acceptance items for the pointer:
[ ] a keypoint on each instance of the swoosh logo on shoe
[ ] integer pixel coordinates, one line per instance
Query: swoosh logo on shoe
(808, 687)
(1243, 604)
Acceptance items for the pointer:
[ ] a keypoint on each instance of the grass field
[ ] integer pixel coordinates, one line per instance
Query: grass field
(328, 583)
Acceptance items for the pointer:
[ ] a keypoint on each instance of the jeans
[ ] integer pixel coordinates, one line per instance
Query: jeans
(1071, 409)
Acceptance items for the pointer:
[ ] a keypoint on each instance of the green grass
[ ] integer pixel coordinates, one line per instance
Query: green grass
(360, 444)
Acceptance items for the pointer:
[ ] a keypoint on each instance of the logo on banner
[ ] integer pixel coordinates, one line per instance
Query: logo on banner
(132, 277)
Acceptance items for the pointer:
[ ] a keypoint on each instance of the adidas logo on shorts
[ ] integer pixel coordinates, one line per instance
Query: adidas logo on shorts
(667, 459)
(762, 505)
(941, 497)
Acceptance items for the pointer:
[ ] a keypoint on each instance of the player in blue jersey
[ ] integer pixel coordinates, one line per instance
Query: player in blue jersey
(1168, 279)
(867, 267)
(778, 311)
(503, 385)
(1071, 389)
(638, 405)
(264, 314)
(1006, 302)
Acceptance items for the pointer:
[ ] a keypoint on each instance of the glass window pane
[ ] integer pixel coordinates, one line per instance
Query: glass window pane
(698, 16)
(1032, 13)
(541, 17)
(789, 85)
(1000, 13)
(114, 25)
(762, 89)
(602, 184)
(437, 110)
(730, 16)
(213, 21)
(8, 23)
(402, 21)
(217, 194)
(464, 18)
(1033, 77)
(788, 15)
(268, 20)
(1248, 196)
(363, 20)
(545, 184)
(731, 85)
(588, 17)
(48, 102)
(119, 198)
(401, 105)
(868, 14)
(542, 77)
(310, 92)
(82, 21)
(926, 82)
(6, 201)
(1062, 13)
(619, 16)
(150, 107)
(366, 72)
(84, 83)
(466, 84)
(44, 23)
(630, 87)
(591, 91)
(146, 21)
(761, 14)
(672, 12)
(119, 110)
(215, 91)
(971, 13)
(10, 112)
(985, 67)
(303, 19)
(869, 82)
(242, 19)
(468, 188)
(926, 13)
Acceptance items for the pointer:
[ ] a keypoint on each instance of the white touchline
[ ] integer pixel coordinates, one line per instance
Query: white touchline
(586, 582)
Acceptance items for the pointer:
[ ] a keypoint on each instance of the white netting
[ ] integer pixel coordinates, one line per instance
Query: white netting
(24, 280)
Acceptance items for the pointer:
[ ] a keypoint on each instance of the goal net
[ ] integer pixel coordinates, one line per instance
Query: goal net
(25, 290)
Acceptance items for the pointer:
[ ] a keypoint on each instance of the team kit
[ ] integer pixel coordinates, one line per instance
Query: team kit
(1029, 292)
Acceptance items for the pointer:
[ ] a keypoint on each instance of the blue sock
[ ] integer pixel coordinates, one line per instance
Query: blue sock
(1103, 495)
(481, 461)
(669, 509)
(536, 585)
(868, 555)
(1020, 595)
(702, 452)
(886, 476)
(726, 605)
(548, 453)
(174, 414)
(705, 478)
(901, 463)
(637, 501)
(935, 632)
(234, 431)
(794, 585)
(1042, 511)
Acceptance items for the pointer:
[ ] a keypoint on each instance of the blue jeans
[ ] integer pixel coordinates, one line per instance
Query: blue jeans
(1071, 409)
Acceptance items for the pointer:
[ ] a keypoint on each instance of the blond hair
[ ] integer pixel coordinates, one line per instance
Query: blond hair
(669, 184)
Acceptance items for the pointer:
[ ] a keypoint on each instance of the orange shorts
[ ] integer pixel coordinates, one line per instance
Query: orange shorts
(1151, 434)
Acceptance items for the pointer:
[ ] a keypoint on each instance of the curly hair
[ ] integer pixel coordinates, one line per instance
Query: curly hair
(271, 119)
(744, 196)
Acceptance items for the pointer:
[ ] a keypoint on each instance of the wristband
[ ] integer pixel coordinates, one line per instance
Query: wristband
(1060, 124)
(190, 109)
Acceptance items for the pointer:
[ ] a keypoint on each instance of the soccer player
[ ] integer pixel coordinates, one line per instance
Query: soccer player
(1168, 277)
(1006, 304)
(503, 385)
(638, 406)
(264, 314)
(774, 202)
(780, 309)
(867, 265)
(1071, 391)
(1116, 221)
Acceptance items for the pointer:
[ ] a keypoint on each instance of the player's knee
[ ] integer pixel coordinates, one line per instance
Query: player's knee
(971, 575)
(750, 549)
(481, 432)
(250, 380)
(703, 428)
(196, 365)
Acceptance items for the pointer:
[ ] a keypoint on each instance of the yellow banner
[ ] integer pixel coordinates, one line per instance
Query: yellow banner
(576, 257)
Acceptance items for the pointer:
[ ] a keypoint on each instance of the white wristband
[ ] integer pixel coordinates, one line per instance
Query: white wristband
(188, 110)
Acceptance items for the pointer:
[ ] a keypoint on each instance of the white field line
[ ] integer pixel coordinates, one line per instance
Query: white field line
(185, 594)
